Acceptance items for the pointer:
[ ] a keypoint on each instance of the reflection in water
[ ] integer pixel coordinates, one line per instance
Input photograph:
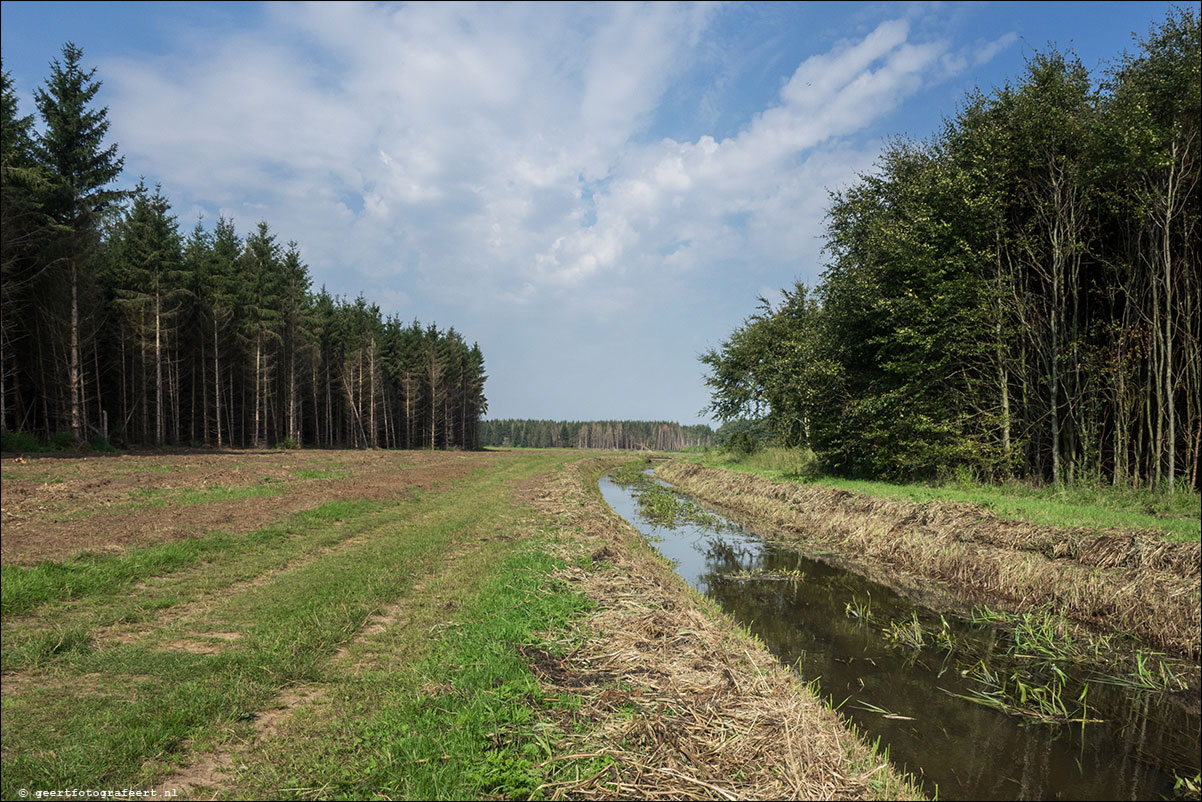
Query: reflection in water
(905, 697)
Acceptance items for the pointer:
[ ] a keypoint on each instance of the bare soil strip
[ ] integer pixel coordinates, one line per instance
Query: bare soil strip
(1112, 582)
(53, 507)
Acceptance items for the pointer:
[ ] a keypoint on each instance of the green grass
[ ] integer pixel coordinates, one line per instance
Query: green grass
(1178, 516)
(467, 719)
(304, 473)
(124, 712)
(96, 589)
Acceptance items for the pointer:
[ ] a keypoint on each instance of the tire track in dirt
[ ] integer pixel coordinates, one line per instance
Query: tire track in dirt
(214, 772)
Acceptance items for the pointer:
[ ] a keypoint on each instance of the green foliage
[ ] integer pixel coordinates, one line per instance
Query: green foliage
(1009, 298)
(62, 440)
(20, 441)
(109, 297)
(742, 443)
(101, 443)
(287, 444)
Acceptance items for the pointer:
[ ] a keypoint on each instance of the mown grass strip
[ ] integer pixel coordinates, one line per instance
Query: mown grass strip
(306, 473)
(1177, 515)
(466, 720)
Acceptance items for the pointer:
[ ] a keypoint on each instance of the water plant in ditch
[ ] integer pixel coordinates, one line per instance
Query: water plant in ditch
(1047, 639)
(1044, 699)
(657, 503)
(770, 576)
(1025, 673)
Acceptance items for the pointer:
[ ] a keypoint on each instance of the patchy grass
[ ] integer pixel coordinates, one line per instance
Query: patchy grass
(155, 696)
(1177, 516)
(464, 717)
(94, 590)
(188, 497)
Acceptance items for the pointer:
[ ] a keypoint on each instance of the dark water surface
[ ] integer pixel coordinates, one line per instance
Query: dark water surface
(958, 748)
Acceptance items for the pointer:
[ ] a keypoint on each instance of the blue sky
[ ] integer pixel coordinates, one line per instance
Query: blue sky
(595, 193)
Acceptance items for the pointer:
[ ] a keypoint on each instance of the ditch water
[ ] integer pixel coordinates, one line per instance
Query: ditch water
(834, 626)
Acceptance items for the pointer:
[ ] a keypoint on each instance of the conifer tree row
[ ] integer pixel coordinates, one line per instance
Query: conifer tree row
(627, 434)
(116, 325)
(1018, 296)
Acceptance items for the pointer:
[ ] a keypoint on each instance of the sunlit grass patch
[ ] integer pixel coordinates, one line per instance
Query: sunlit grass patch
(467, 721)
(306, 473)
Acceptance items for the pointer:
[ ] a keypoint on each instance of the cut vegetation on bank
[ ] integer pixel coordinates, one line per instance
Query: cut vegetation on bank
(492, 632)
(1133, 583)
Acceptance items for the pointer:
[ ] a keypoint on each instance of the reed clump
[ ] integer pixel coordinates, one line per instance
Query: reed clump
(1128, 582)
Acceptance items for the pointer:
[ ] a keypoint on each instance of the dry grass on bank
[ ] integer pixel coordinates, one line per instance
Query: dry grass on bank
(693, 706)
(1118, 582)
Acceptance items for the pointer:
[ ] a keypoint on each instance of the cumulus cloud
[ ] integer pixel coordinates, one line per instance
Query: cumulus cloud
(707, 200)
(494, 144)
(500, 161)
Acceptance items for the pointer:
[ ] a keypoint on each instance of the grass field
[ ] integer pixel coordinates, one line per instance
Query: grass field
(1177, 516)
(378, 624)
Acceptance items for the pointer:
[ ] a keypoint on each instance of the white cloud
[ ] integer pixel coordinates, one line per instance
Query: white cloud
(676, 204)
(498, 161)
(454, 143)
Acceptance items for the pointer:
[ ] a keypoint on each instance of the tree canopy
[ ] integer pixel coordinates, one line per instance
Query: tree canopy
(1017, 296)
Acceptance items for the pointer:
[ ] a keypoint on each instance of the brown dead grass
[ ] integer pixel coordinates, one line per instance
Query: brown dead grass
(685, 703)
(1127, 583)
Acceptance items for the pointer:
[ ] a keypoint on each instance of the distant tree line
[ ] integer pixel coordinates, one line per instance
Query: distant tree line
(610, 434)
(1018, 296)
(117, 325)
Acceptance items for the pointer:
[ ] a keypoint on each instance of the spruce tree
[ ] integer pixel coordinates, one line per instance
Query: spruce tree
(80, 170)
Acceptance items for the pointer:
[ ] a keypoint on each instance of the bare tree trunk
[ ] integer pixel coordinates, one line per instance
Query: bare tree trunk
(204, 394)
(73, 357)
(217, 382)
(99, 401)
(159, 432)
(258, 361)
(372, 382)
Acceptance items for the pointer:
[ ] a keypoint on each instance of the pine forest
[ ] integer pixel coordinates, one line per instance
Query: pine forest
(119, 327)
